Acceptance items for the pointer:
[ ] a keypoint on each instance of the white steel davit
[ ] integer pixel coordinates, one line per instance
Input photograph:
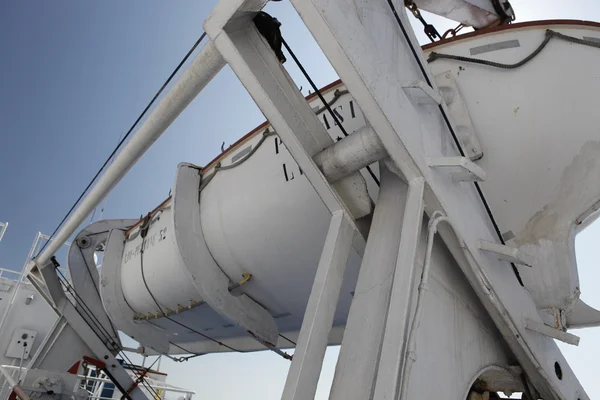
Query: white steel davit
(319, 226)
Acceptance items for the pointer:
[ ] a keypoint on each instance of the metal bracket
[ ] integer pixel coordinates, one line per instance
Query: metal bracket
(422, 93)
(84, 273)
(457, 110)
(461, 169)
(507, 253)
(557, 334)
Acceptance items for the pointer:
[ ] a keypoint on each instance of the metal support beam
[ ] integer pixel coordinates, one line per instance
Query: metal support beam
(461, 169)
(232, 29)
(422, 93)
(202, 70)
(255, 64)
(359, 355)
(352, 153)
(507, 253)
(557, 334)
(87, 334)
(303, 376)
(394, 345)
(380, 31)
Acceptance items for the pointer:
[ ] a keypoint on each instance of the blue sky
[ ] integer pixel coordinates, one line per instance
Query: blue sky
(75, 75)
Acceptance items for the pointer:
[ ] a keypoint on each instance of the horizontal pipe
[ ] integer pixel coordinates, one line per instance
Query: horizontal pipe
(202, 70)
(352, 153)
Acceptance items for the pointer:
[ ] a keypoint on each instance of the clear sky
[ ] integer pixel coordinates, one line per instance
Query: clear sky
(74, 76)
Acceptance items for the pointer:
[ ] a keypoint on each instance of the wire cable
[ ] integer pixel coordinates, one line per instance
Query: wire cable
(325, 103)
(289, 340)
(549, 35)
(454, 136)
(108, 160)
(100, 331)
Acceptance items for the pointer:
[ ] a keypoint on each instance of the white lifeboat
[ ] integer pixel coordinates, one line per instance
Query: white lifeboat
(236, 247)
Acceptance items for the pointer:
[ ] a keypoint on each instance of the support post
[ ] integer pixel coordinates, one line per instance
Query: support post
(359, 355)
(306, 365)
(394, 342)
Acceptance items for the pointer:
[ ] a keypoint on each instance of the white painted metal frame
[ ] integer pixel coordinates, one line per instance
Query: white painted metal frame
(203, 68)
(232, 30)
(65, 309)
(359, 357)
(368, 49)
(352, 40)
(306, 365)
(393, 347)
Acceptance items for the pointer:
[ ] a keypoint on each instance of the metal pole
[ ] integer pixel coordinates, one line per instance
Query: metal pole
(202, 70)
(18, 284)
(359, 355)
(394, 344)
(304, 372)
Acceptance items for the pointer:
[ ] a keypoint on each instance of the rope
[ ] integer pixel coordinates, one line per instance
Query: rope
(549, 35)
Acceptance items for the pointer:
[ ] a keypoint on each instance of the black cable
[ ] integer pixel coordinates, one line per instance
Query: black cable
(181, 359)
(141, 378)
(189, 53)
(289, 340)
(87, 267)
(325, 103)
(102, 336)
(100, 331)
(454, 137)
(91, 319)
(549, 35)
(117, 384)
